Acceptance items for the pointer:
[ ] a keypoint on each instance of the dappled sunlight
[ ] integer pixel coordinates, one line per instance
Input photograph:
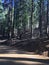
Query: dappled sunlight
(10, 55)
(24, 56)
(17, 57)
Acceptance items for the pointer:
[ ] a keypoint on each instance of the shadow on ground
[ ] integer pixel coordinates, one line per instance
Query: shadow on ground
(11, 50)
(18, 61)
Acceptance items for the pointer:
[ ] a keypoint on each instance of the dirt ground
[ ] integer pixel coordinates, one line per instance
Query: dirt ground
(12, 56)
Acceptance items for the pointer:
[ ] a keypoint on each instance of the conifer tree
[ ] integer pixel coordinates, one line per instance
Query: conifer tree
(2, 17)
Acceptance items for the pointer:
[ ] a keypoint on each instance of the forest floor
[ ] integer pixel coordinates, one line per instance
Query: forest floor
(12, 56)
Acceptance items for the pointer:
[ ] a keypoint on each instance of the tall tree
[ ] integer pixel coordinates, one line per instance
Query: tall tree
(40, 17)
(2, 17)
(44, 29)
(31, 16)
(9, 16)
(47, 17)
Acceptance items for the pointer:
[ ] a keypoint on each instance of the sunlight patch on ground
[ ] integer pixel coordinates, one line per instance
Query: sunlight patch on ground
(24, 56)
(28, 62)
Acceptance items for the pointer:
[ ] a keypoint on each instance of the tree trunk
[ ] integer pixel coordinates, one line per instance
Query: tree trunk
(47, 15)
(44, 28)
(40, 16)
(31, 17)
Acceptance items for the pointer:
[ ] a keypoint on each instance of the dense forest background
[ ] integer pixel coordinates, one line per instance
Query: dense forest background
(24, 18)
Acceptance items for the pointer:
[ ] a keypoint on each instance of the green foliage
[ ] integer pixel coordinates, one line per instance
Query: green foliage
(2, 17)
(2, 13)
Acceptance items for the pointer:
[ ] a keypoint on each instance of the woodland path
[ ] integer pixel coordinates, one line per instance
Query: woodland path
(12, 56)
